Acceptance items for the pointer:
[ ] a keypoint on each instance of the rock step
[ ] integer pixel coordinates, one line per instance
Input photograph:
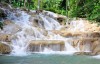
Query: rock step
(65, 33)
(40, 45)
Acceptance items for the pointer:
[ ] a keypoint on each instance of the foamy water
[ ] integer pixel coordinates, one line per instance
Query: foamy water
(29, 32)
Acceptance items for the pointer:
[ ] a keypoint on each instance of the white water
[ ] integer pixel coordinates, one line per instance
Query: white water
(97, 56)
(28, 32)
(77, 25)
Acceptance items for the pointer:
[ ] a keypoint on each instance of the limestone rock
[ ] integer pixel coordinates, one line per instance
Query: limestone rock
(95, 47)
(4, 49)
(7, 22)
(5, 37)
(82, 53)
(34, 21)
(11, 28)
(18, 14)
(39, 45)
(61, 20)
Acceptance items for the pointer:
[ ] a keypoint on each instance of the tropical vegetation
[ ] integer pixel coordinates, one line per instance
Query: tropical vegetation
(89, 9)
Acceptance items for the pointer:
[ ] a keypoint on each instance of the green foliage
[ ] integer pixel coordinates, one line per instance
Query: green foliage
(53, 5)
(1, 25)
(95, 14)
(85, 9)
(89, 9)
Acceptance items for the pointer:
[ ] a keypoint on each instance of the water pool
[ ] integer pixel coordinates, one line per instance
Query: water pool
(48, 59)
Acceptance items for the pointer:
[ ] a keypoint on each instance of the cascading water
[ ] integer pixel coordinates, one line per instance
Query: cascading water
(28, 32)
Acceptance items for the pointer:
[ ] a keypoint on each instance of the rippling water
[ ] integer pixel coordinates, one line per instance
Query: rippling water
(48, 59)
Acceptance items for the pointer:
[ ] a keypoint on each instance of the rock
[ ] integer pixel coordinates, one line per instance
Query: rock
(1, 25)
(5, 37)
(82, 44)
(61, 20)
(66, 33)
(87, 44)
(7, 22)
(11, 28)
(18, 14)
(34, 21)
(95, 47)
(39, 45)
(39, 11)
(50, 14)
(32, 13)
(5, 5)
(82, 53)
(2, 14)
(62, 33)
(4, 49)
(90, 34)
(95, 34)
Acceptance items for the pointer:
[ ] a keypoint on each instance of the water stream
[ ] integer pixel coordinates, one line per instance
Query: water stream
(28, 32)
(32, 32)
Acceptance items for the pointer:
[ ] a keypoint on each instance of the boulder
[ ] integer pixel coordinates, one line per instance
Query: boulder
(5, 37)
(4, 49)
(95, 47)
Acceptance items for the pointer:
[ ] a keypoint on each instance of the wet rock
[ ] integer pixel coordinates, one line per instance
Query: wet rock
(90, 34)
(82, 53)
(34, 21)
(2, 14)
(18, 14)
(62, 33)
(95, 47)
(50, 14)
(39, 11)
(87, 44)
(95, 34)
(61, 19)
(29, 31)
(32, 13)
(4, 49)
(1, 25)
(5, 37)
(66, 33)
(11, 28)
(39, 45)
(7, 22)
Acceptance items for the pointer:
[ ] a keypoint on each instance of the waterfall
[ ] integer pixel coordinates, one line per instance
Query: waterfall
(27, 33)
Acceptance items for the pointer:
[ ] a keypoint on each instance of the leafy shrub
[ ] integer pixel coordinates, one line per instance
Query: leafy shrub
(1, 25)
(89, 9)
